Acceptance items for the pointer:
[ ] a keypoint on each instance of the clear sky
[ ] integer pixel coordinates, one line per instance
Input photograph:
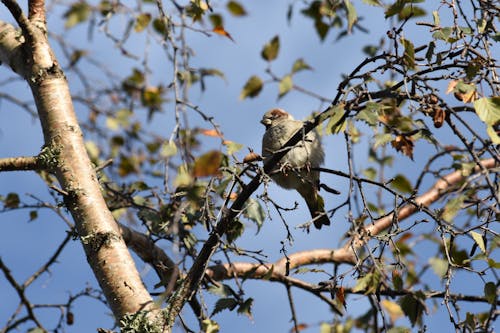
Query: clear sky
(26, 245)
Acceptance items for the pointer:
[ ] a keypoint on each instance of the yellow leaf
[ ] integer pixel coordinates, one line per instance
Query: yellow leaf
(393, 309)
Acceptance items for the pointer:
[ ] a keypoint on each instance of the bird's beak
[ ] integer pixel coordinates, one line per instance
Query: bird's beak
(266, 122)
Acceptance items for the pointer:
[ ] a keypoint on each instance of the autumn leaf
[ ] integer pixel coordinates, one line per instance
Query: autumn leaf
(211, 132)
(438, 117)
(207, 164)
(339, 293)
(252, 157)
(221, 31)
(403, 144)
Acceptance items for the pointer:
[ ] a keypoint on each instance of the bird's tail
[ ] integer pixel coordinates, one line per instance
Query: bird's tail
(316, 206)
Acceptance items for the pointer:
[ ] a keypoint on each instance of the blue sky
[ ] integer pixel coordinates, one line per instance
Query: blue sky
(24, 246)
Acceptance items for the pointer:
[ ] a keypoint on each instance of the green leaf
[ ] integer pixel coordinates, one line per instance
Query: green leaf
(373, 3)
(412, 308)
(488, 109)
(77, 13)
(368, 283)
(223, 304)
(452, 208)
(440, 266)
(493, 134)
(300, 65)
(246, 308)
(430, 51)
(370, 113)
(370, 173)
(352, 16)
(160, 25)
(252, 87)
(222, 290)
(271, 49)
(381, 139)
(479, 240)
(401, 184)
(236, 9)
(412, 11)
(337, 121)
(142, 21)
(235, 230)
(443, 34)
(11, 200)
(395, 8)
(409, 53)
(490, 292)
(286, 84)
(435, 16)
(168, 149)
(255, 212)
(33, 215)
(233, 147)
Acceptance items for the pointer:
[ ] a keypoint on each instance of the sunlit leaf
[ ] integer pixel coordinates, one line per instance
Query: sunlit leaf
(142, 21)
(285, 85)
(336, 119)
(209, 326)
(352, 16)
(494, 134)
(393, 309)
(168, 149)
(439, 266)
(488, 109)
(373, 2)
(252, 87)
(271, 49)
(479, 240)
(381, 139)
(183, 177)
(232, 147)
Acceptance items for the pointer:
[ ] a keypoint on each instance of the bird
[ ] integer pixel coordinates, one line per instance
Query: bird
(296, 170)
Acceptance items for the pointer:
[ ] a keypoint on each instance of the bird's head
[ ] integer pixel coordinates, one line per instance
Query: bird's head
(275, 116)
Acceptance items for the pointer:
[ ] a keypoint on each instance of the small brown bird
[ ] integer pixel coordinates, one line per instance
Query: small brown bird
(294, 169)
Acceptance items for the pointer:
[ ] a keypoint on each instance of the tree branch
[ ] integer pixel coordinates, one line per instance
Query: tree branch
(21, 163)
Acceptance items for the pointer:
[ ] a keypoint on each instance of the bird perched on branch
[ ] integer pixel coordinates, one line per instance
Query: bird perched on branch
(294, 171)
